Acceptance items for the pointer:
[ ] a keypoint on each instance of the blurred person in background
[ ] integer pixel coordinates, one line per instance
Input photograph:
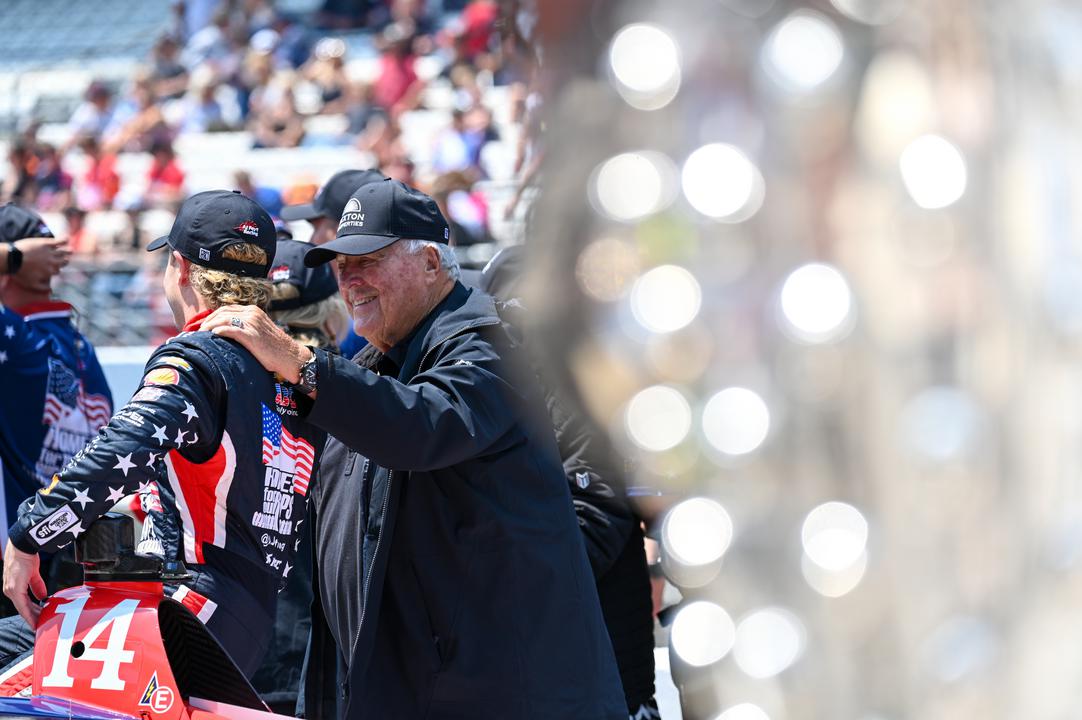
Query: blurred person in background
(466, 211)
(52, 185)
(195, 420)
(327, 71)
(95, 114)
(461, 588)
(306, 304)
(99, 185)
(55, 396)
(360, 109)
(611, 529)
(199, 111)
(269, 198)
(324, 213)
(81, 240)
(397, 87)
(168, 76)
(278, 124)
(137, 121)
(165, 178)
(19, 181)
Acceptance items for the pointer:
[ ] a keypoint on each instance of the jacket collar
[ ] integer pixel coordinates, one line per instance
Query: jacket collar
(463, 309)
(197, 320)
(42, 310)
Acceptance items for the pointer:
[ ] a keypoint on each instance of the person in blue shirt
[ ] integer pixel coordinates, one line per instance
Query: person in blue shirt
(55, 396)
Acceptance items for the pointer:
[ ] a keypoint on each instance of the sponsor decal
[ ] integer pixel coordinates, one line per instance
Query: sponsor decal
(53, 525)
(582, 479)
(147, 394)
(204, 254)
(175, 362)
(447, 233)
(130, 415)
(157, 697)
(53, 483)
(162, 376)
(284, 402)
(248, 228)
(352, 215)
(279, 273)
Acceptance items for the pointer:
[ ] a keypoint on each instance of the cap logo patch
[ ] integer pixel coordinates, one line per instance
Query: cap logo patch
(248, 228)
(204, 254)
(352, 215)
(279, 273)
(446, 233)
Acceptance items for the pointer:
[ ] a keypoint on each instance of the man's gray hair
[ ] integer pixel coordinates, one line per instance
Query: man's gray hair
(448, 260)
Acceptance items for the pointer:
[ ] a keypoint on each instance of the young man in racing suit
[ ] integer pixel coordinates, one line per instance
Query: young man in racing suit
(211, 442)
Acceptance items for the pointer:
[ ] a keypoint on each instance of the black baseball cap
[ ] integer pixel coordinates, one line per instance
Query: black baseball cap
(211, 221)
(333, 196)
(377, 215)
(314, 283)
(17, 223)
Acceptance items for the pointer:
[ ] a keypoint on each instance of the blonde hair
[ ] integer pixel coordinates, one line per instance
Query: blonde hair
(219, 288)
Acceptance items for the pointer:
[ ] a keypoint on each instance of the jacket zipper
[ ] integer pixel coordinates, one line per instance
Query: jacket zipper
(386, 500)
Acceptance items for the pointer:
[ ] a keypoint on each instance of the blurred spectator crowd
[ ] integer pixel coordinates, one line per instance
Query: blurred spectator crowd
(440, 95)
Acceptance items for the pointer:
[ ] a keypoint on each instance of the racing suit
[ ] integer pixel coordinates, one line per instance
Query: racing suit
(221, 461)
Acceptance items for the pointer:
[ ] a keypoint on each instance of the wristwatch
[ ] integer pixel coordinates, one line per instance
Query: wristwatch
(15, 259)
(306, 383)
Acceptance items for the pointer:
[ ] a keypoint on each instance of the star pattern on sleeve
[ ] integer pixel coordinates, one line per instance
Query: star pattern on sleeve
(285, 572)
(124, 463)
(144, 487)
(115, 495)
(159, 434)
(189, 411)
(3, 356)
(83, 498)
(77, 529)
(9, 331)
(150, 461)
(180, 437)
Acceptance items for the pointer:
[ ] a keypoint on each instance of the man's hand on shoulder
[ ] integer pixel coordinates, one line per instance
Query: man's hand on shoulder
(254, 329)
(21, 572)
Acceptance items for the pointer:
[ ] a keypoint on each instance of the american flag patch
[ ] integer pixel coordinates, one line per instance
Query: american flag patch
(281, 449)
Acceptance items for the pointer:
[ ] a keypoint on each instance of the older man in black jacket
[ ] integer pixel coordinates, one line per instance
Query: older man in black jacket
(451, 571)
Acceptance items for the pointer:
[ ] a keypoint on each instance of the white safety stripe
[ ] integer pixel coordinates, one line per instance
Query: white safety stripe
(16, 668)
(221, 490)
(47, 315)
(188, 529)
(209, 606)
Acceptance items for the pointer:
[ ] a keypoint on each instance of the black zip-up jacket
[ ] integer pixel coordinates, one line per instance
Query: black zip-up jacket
(475, 594)
(219, 454)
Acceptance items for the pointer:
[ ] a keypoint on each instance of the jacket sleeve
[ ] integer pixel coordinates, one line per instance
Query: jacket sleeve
(175, 408)
(604, 514)
(458, 409)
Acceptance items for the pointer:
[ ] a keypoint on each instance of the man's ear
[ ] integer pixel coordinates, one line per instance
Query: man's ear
(184, 266)
(432, 259)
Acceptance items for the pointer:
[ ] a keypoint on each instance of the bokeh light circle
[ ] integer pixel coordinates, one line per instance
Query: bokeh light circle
(768, 641)
(834, 535)
(702, 633)
(803, 51)
(697, 531)
(934, 172)
(736, 421)
(658, 418)
(645, 64)
(722, 183)
(816, 304)
(744, 711)
(633, 185)
(606, 268)
(666, 298)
